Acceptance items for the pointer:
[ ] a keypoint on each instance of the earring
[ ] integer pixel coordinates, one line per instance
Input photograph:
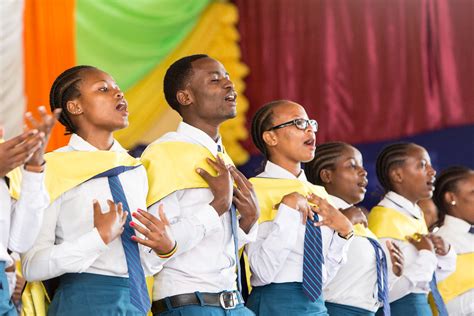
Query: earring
(453, 203)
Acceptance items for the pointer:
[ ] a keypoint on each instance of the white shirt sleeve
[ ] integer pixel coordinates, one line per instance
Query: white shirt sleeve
(27, 212)
(188, 231)
(336, 255)
(274, 243)
(446, 265)
(46, 260)
(245, 238)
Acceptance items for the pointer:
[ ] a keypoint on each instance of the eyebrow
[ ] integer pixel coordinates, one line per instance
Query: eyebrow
(216, 73)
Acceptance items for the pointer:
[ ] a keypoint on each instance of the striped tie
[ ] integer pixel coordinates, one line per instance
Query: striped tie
(382, 276)
(312, 261)
(136, 276)
(440, 306)
(233, 221)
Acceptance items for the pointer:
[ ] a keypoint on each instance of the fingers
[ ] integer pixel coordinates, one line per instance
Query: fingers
(111, 206)
(123, 219)
(145, 242)
(120, 209)
(218, 165)
(240, 179)
(204, 174)
(15, 141)
(97, 209)
(163, 218)
(313, 198)
(29, 118)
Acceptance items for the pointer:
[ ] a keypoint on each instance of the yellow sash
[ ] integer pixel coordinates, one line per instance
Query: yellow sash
(171, 166)
(270, 192)
(362, 231)
(66, 170)
(385, 222)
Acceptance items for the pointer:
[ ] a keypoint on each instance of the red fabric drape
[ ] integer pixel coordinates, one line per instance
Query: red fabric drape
(367, 70)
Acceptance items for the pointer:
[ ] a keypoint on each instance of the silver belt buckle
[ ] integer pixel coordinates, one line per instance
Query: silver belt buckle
(228, 300)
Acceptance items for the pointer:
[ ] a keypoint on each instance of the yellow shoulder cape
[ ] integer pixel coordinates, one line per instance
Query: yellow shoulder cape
(385, 222)
(171, 166)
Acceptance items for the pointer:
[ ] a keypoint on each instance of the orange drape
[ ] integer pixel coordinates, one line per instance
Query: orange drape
(49, 46)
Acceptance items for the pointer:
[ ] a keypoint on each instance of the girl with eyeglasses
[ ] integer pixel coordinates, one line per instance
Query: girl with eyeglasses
(302, 239)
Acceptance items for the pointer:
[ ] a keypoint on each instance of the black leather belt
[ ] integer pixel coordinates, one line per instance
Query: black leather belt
(226, 300)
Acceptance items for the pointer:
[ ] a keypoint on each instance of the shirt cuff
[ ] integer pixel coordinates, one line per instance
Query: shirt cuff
(92, 242)
(251, 236)
(209, 218)
(448, 261)
(339, 248)
(32, 181)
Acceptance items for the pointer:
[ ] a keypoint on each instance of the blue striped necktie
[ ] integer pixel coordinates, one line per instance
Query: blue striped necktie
(440, 306)
(382, 276)
(471, 230)
(312, 261)
(136, 276)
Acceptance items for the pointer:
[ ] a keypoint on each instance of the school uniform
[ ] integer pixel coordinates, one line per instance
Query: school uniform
(196, 279)
(354, 289)
(20, 222)
(276, 257)
(458, 288)
(408, 293)
(93, 276)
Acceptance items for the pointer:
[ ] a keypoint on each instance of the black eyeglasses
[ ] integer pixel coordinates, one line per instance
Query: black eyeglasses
(299, 123)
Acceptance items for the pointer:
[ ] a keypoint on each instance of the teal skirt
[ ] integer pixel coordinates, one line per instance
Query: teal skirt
(87, 294)
(283, 299)
(413, 304)
(346, 310)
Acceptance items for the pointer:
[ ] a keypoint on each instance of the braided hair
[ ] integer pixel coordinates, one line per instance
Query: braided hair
(391, 156)
(261, 122)
(176, 77)
(447, 181)
(66, 88)
(325, 157)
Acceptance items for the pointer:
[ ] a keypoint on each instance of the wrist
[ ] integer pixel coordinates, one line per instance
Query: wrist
(169, 253)
(37, 167)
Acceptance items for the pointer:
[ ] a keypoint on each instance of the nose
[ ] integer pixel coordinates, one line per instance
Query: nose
(363, 172)
(119, 93)
(228, 83)
(431, 171)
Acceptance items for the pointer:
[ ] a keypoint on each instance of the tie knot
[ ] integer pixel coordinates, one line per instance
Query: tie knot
(219, 149)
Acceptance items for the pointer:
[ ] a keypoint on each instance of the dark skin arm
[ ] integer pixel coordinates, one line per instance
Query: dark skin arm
(355, 215)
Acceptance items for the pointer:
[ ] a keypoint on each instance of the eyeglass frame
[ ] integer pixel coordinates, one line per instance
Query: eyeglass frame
(293, 122)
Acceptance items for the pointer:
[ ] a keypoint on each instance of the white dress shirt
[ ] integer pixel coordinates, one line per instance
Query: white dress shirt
(355, 284)
(456, 232)
(205, 260)
(20, 221)
(419, 266)
(277, 255)
(68, 241)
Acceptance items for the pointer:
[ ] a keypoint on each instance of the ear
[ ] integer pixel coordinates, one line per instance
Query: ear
(396, 175)
(326, 176)
(184, 97)
(270, 138)
(73, 107)
(449, 197)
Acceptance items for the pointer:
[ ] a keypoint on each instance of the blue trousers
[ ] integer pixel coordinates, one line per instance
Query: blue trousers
(283, 299)
(6, 305)
(413, 304)
(87, 294)
(346, 310)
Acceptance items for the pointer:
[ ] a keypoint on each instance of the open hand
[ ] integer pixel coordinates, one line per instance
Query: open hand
(300, 203)
(110, 224)
(441, 246)
(397, 258)
(421, 242)
(156, 231)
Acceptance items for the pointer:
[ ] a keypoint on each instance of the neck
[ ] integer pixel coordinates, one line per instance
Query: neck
(290, 166)
(100, 140)
(211, 129)
(407, 195)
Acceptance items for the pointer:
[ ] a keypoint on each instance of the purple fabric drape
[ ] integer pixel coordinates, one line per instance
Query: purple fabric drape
(367, 70)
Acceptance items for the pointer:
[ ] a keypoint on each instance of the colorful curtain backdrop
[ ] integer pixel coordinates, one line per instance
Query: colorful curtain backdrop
(367, 70)
(134, 41)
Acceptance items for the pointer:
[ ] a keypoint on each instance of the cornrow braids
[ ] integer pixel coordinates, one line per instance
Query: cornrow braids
(391, 156)
(447, 181)
(176, 77)
(65, 88)
(325, 157)
(261, 122)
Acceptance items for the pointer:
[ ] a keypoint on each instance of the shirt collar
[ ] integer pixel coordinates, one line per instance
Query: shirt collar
(79, 144)
(275, 171)
(200, 137)
(339, 203)
(403, 203)
(458, 224)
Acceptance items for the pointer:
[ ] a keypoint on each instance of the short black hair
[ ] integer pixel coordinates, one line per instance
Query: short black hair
(66, 88)
(176, 76)
(447, 181)
(391, 156)
(325, 157)
(262, 121)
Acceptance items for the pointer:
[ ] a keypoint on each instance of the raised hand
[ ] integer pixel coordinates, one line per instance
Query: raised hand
(441, 246)
(397, 258)
(300, 203)
(44, 125)
(245, 200)
(421, 242)
(220, 185)
(16, 151)
(332, 217)
(156, 231)
(110, 224)
(355, 215)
